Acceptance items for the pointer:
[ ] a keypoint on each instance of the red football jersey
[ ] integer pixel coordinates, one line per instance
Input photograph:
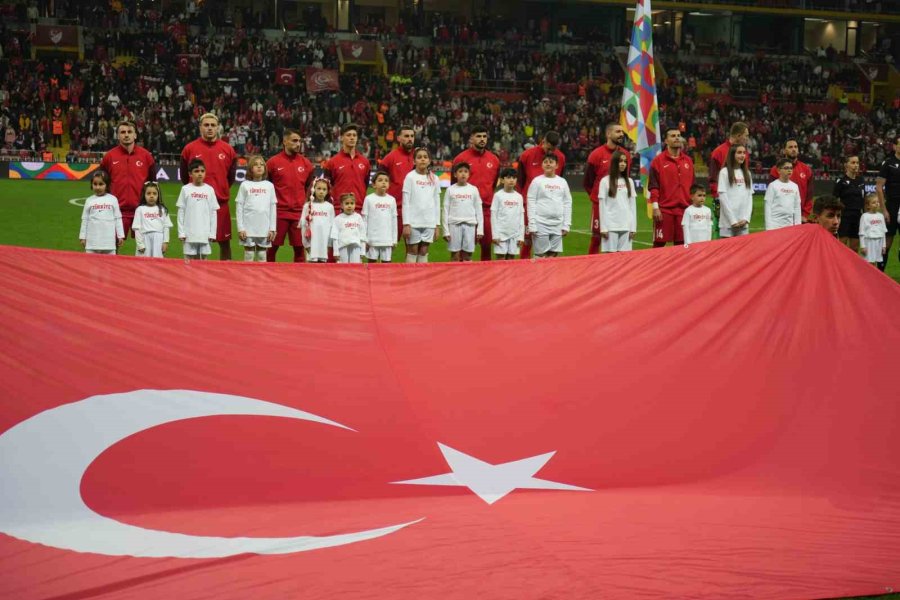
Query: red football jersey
(598, 167)
(219, 159)
(670, 181)
(290, 174)
(348, 174)
(485, 171)
(530, 167)
(127, 173)
(398, 163)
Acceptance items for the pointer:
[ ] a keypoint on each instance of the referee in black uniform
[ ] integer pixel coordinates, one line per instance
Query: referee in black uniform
(887, 186)
(851, 190)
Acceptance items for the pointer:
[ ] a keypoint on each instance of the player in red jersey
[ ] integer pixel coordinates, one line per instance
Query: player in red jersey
(290, 172)
(220, 160)
(348, 170)
(484, 174)
(397, 164)
(802, 176)
(530, 166)
(738, 134)
(596, 169)
(129, 166)
(671, 178)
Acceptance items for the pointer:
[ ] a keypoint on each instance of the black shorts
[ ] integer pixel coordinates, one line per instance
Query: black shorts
(849, 227)
(893, 207)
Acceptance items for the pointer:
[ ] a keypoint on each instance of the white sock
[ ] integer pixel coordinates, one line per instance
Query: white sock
(261, 255)
(423, 258)
(411, 258)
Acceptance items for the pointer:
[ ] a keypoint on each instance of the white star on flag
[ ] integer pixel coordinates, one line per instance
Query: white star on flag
(492, 482)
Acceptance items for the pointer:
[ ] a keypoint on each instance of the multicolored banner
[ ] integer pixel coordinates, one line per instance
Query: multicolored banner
(640, 113)
(51, 170)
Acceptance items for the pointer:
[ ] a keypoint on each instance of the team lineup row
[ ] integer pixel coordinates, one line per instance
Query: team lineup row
(671, 177)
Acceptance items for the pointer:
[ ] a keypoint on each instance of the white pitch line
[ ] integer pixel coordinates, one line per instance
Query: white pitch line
(77, 202)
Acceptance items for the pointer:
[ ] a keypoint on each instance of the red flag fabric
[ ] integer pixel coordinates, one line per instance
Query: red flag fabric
(285, 76)
(322, 80)
(452, 430)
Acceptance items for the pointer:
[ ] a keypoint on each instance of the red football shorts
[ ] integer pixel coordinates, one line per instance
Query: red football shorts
(286, 227)
(223, 223)
(669, 228)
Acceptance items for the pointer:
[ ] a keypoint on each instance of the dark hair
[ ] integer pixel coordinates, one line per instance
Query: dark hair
(462, 165)
(102, 175)
(823, 203)
(615, 173)
(782, 161)
(403, 128)
(478, 128)
(611, 125)
(552, 156)
(195, 164)
(346, 195)
(289, 131)
(674, 128)
(163, 211)
(508, 172)
(552, 138)
(696, 188)
(350, 127)
(380, 173)
(738, 128)
(731, 165)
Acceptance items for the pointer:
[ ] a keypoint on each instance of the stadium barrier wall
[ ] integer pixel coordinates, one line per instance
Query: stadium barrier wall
(80, 171)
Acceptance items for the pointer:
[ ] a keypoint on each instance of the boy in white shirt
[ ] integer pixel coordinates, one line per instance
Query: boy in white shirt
(380, 214)
(697, 220)
(256, 211)
(549, 210)
(197, 206)
(463, 218)
(783, 199)
(348, 232)
(508, 217)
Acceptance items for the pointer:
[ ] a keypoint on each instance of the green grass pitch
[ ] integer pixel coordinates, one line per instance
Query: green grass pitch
(47, 214)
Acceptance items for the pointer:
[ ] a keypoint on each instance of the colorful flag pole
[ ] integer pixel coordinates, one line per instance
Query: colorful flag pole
(640, 113)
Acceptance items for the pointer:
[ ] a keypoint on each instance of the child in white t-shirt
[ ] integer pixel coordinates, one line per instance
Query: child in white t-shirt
(151, 223)
(783, 199)
(380, 214)
(735, 194)
(549, 210)
(255, 211)
(618, 206)
(508, 217)
(463, 218)
(872, 230)
(197, 206)
(697, 220)
(101, 220)
(348, 232)
(316, 220)
(421, 208)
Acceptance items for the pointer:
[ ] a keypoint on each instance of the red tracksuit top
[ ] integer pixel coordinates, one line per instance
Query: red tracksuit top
(348, 174)
(670, 181)
(530, 167)
(291, 176)
(398, 163)
(485, 171)
(598, 167)
(127, 173)
(219, 159)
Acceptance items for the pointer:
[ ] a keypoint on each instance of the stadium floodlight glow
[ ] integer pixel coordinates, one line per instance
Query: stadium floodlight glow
(700, 14)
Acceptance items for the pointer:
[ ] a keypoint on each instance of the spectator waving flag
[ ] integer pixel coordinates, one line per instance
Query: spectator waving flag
(640, 114)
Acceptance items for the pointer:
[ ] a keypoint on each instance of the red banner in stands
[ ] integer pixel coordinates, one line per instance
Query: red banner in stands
(56, 36)
(321, 80)
(285, 76)
(711, 421)
(362, 51)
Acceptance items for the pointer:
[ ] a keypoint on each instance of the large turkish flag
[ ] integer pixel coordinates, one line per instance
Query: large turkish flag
(713, 421)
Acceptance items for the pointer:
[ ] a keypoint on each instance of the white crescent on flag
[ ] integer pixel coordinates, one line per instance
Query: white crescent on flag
(43, 459)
